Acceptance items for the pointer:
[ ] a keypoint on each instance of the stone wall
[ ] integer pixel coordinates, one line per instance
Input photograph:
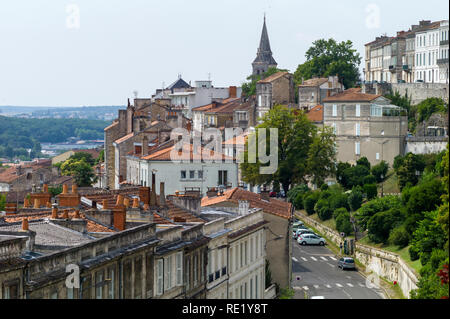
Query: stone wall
(389, 265)
(426, 144)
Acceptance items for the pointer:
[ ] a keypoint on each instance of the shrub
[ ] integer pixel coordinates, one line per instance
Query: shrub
(298, 201)
(364, 162)
(399, 236)
(370, 190)
(320, 204)
(379, 170)
(339, 201)
(324, 187)
(309, 202)
(413, 253)
(343, 223)
(381, 224)
(375, 206)
(339, 211)
(355, 199)
(325, 213)
(325, 194)
(369, 179)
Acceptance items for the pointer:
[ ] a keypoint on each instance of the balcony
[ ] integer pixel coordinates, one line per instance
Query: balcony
(442, 61)
(443, 42)
(406, 68)
(391, 68)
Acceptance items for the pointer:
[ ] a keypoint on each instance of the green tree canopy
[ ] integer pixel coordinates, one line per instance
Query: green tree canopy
(327, 57)
(249, 88)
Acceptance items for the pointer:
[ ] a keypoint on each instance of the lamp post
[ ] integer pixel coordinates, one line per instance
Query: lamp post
(382, 183)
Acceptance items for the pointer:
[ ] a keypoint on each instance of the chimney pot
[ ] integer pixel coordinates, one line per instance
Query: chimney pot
(25, 224)
(135, 202)
(65, 189)
(119, 200)
(45, 190)
(54, 212)
(77, 214)
(26, 203)
(162, 194)
(37, 203)
(126, 202)
(105, 204)
(74, 189)
(65, 214)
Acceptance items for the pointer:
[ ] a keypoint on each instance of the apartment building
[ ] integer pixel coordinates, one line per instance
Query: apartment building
(443, 53)
(366, 125)
(311, 92)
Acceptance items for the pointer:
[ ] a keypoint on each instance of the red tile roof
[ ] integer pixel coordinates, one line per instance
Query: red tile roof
(165, 154)
(273, 206)
(314, 82)
(315, 114)
(273, 77)
(353, 94)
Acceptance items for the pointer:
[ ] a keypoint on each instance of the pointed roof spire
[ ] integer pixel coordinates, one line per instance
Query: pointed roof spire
(264, 53)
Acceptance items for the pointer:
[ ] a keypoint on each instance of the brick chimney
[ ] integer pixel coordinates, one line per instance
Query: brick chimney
(144, 195)
(26, 203)
(37, 203)
(153, 191)
(119, 217)
(135, 202)
(45, 188)
(65, 214)
(126, 202)
(105, 204)
(25, 224)
(145, 145)
(74, 189)
(77, 214)
(119, 200)
(54, 212)
(65, 189)
(232, 92)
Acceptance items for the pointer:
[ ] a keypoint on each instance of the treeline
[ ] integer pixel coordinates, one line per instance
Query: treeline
(18, 135)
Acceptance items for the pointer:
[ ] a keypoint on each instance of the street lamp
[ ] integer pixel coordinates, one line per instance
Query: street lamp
(382, 182)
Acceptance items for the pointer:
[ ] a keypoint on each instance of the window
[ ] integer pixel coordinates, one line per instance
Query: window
(11, 291)
(195, 270)
(183, 174)
(376, 110)
(188, 273)
(334, 128)
(259, 100)
(111, 282)
(246, 252)
(377, 156)
(242, 254)
(179, 269)
(257, 246)
(209, 262)
(334, 110)
(159, 276)
(138, 277)
(357, 148)
(223, 178)
(358, 110)
(357, 129)
(200, 174)
(191, 174)
(99, 285)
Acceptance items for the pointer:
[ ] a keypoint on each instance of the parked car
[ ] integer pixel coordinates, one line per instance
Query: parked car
(295, 228)
(303, 231)
(310, 239)
(273, 194)
(346, 263)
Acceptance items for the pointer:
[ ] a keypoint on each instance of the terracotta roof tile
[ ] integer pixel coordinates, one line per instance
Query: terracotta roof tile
(274, 206)
(352, 95)
(314, 82)
(315, 114)
(164, 154)
(273, 77)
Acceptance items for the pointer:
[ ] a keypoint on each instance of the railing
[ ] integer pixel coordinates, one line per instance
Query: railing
(442, 61)
(443, 42)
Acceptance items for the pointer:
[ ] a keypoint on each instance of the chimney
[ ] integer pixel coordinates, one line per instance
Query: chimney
(54, 212)
(119, 217)
(105, 204)
(144, 145)
(265, 194)
(45, 189)
(65, 214)
(25, 224)
(49, 205)
(74, 189)
(162, 195)
(77, 214)
(119, 200)
(65, 189)
(26, 203)
(211, 192)
(36, 203)
(146, 207)
(153, 191)
(126, 202)
(144, 195)
(232, 92)
(135, 202)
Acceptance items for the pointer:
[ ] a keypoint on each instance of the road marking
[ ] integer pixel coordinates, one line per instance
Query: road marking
(328, 286)
(313, 258)
(332, 258)
(361, 284)
(304, 259)
(316, 286)
(323, 258)
(294, 259)
(339, 285)
(349, 284)
(330, 265)
(347, 294)
(305, 288)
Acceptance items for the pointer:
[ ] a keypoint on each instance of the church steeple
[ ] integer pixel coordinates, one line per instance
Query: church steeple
(264, 58)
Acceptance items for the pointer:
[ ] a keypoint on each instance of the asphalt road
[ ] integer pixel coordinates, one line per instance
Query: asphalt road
(315, 273)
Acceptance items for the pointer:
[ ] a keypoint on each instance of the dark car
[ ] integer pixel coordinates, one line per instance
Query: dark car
(346, 263)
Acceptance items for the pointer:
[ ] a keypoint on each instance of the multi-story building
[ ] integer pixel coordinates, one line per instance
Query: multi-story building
(311, 92)
(427, 52)
(366, 125)
(277, 89)
(443, 53)
(408, 59)
(373, 70)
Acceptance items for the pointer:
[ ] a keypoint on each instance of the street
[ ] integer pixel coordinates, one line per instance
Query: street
(315, 273)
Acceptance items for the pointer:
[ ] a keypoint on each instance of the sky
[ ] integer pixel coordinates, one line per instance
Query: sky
(98, 52)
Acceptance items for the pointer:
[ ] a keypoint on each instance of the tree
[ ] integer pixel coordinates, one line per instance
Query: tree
(310, 201)
(379, 170)
(325, 213)
(296, 134)
(326, 58)
(296, 195)
(343, 223)
(80, 170)
(322, 151)
(2, 201)
(101, 157)
(429, 106)
(355, 199)
(363, 161)
(399, 236)
(370, 190)
(406, 168)
(87, 157)
(380, 224)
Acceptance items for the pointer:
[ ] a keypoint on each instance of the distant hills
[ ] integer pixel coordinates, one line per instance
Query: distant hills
(104, 113)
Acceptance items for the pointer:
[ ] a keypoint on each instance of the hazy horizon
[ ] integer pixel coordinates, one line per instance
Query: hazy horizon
(47, 59)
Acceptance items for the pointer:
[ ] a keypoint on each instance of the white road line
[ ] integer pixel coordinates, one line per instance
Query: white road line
(361, 284)
(294, 259)
(328, 286)
(323, 258)
(313, 258)
(331, 265)
(347, 294)
(332, 258)
(305, 288)
(316, 286)
(304, 259)
(339, 285)
(349, 284)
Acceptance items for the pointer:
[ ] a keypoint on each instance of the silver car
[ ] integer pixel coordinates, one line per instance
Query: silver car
(346, 263)
(310, 239)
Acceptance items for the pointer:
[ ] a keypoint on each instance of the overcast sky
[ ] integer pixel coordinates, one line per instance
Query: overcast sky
(49, 57)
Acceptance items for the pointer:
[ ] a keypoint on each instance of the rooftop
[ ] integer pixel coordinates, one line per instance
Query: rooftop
(273, 77)
(353, 94)
(315, 114)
